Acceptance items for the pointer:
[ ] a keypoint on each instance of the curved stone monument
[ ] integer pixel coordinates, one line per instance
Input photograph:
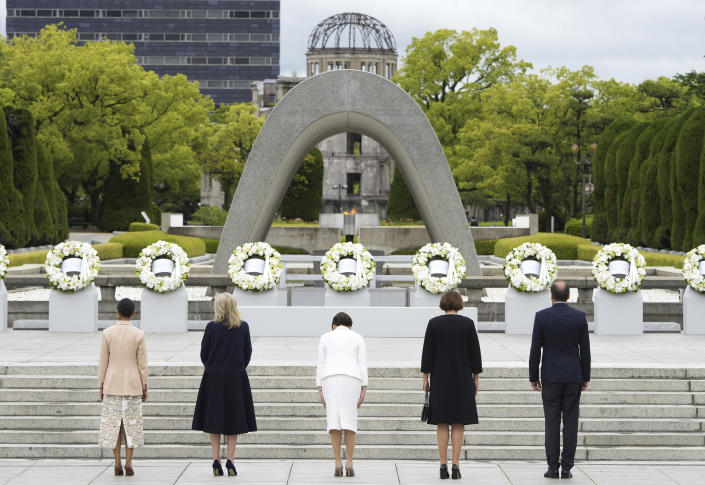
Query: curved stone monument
(346, 101)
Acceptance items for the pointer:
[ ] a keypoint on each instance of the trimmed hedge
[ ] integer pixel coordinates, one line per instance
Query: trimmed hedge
(106, 251)
(303, 197)
(485, 248)
(564, 245)
(208, 215)
(211, 245)
(574, 226)
(143, 226)
(13, 233)
(401, 204)
(134, 242)
(688, 149)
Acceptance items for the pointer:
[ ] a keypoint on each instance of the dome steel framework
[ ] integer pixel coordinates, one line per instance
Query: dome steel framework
(351, 31)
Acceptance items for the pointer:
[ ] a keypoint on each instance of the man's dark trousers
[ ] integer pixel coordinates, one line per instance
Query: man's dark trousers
(561, 400)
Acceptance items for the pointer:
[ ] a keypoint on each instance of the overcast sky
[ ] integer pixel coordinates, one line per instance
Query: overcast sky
(630, 40)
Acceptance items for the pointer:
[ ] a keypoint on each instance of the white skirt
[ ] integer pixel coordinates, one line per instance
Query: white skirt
(341, 393)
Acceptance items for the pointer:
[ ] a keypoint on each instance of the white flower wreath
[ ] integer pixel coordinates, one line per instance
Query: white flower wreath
(90, 266)
(4, 262)
(366, 268)
(547, 272)
(163, 284)
(691, 269)
(433, 284)
(272, 267)
(603, 277)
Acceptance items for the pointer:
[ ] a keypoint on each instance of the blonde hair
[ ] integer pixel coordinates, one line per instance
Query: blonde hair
(226, 311)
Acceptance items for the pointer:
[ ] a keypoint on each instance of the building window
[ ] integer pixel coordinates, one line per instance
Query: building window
(353, 183)
(354, 144)
(316, 68)
(330, 66)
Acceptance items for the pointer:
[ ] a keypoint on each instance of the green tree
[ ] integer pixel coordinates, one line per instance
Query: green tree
(623, 160)
(662, 94)
(45, 211)
(694, 83)
(632, 193)
(688, 150)
(12, 221)
(646, 202)
(303, 198)
(401, 204)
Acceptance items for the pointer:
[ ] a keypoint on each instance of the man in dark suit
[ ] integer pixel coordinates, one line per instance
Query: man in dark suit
(562, 333)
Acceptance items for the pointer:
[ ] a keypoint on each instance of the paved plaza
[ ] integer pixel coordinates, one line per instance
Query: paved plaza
(319, 472)
(498, 349)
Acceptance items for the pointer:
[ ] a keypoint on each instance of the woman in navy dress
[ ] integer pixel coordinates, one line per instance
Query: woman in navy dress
(224, 404)
(451, 355)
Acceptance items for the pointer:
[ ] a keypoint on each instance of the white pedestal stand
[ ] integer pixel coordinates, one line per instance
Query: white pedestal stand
(424, 298)
(164, 312)
(693, 312)
(272, 297)
(74, 312)
(3, 306)
(520, 309)
(618, 314)
(347, 298)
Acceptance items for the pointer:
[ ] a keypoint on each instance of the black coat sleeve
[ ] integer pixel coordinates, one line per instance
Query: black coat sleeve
(474, 350)
(427, 354)
(248, 346)
(584, 345)
(205, 344)
(535, 352)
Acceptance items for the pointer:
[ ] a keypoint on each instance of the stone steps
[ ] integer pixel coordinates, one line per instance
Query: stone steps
(629, 414)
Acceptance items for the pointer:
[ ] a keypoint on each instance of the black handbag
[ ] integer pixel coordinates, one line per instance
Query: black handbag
(424, 411)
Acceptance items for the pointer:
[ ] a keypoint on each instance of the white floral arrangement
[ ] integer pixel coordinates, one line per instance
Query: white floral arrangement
(163, 284)
(422, 274)
(603, 277)
(691, 269)
(530, 284)
(366, 268)
(272, 267)
(61, 281)
(4, 262)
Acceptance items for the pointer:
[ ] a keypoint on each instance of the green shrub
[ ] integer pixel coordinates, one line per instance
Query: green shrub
(611, 195)
(626, 153)
(587, 251)
(55, 196)
(688, 150)
(558, 221)
(677, 215)
(632, 196)
(401, 204)
(134, 242)
(660, 259)
(13, 232)
(574, 226)
(286, 250)
(208, 215)
(109, 250)
(211, 245)
(485, 247)
(143, 226)
(564, 245)
(106, 251)
(304, 195)
(43, 214)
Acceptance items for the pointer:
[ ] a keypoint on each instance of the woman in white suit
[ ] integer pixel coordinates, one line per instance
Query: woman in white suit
(341, 377)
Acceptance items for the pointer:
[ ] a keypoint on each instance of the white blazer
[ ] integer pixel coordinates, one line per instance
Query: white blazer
(342, 351)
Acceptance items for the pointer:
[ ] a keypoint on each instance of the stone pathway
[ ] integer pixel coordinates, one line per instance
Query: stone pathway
(319, 472)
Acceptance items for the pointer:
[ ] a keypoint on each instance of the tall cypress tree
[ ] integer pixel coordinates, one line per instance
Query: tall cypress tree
(627, 177)
(688, 150)
(12, 221)
(647, 205)
(662, 235)
(305, 193)
(612, 203)
(54, 195)
(699, 230)
(401, 203)
(44, 214)
(678, 212)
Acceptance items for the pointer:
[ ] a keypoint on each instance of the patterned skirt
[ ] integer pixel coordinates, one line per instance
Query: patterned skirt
(117, 410)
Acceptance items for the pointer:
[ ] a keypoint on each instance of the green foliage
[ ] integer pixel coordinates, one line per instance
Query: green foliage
(661, 259)
(127, 197)
(208, 215)
(211, 245)
(688, 150)
(564, 245)
(134, 242)
(12, 221)
(44, 211)
(632, 196)
(485, 247)
(105, 251)
(287, 250)
(303, 198)
(212, 248)
(699, 230)
(401, 204)
(624, 156)
(693, 82)
(678, 214)
(109, 250)
(143, 226)
(574, 226)
(587, 251)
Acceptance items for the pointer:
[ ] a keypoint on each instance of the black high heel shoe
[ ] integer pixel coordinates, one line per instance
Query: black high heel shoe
(232, 472)
(217, 469)
(455, 472)
(444, 472)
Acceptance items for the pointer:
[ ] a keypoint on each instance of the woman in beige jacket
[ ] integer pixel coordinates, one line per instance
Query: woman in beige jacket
(122, 374)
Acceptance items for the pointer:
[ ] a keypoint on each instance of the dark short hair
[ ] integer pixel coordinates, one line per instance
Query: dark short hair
(560, 291)
(342, 318)
(126, 307)
(451, 301)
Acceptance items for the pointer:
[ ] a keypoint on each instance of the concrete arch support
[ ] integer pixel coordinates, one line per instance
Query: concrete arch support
(346, 101)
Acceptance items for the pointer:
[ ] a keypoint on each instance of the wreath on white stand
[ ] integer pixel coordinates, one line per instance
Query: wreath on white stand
(603, 277)
(166, 250)
(691, 269)
(364, 272)
(531, 284)
(90, 265)
(4, 262)
(422, 273)
(268, 280)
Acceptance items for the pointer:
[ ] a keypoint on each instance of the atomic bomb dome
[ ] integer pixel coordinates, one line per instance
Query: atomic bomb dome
(351, 41)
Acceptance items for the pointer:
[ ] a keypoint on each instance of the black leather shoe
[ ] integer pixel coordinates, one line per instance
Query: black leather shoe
(455, 472)
(551, 473)
(232, 471)
(444, 472)
(566, 474)
(217, 469)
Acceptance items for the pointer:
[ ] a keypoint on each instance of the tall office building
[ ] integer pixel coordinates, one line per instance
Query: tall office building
(223, 44)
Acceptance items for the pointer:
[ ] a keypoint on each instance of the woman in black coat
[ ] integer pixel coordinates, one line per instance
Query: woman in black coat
(451, 355)
(224, 404)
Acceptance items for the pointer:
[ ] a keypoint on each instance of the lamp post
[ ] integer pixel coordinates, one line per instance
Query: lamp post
(584, 165)
(340, 188)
